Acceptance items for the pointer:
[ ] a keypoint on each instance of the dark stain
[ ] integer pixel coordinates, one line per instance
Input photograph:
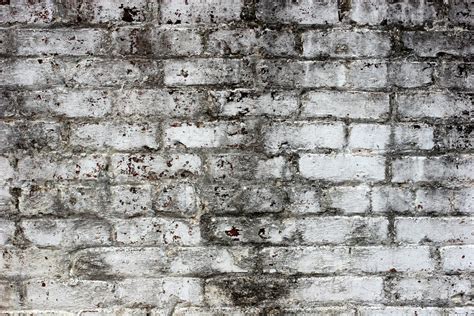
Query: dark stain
(253, 291)
(129, 14)
(4, 2)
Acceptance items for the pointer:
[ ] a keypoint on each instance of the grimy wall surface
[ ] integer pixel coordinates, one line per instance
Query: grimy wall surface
(236, 157)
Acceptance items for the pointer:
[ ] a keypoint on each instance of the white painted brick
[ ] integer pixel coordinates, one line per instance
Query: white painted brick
(31, 72)
(67, 103)
(342, 167)
(7, 231)
(304, 200)
(156, 231)
(162, 292)
(130, 200)
(152, 167)
(441, 168)
(77, 42)
(392, 199)
(457, 258)
(342, 260)
(303, 136)
(440, 289)
(213, 11)
(442, 105)
(464, 200)
(369, 137)
(414, 136)
(66, 233)
(61, 168)
(33, 262)
(301, 12)
(338, 43)
(434, 200)
(47, 294)
(246, 103)
(209, 135)
(412, 230)
(176, 197)
(159, 103)
(429, 44)
(116, 136)
(411, 75)
(357, 105)
(6, 170)
(206, 72)
(350, 200)
(247, 167)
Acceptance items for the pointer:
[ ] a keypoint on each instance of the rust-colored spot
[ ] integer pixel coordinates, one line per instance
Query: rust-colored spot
(393, 270)
(4, 2)
(233, 232)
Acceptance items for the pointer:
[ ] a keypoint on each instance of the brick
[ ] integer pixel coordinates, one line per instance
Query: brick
(244, 102)
(339, 260)
(413, 136)
(176, 41)
(304, 200)
(348, 199)
(430, 44)
(357, 105)
(386, 12)
(66, 233)
(150, 262)
(160, 103)
(152, 167)
(310, 231)
(131, 201)
(6, 170)
(302, 291)
(247, 167)
(250, 42)
(31, 135)
(342, 167)
(439, 289)
(33, 262)
(434, 201)
(10, 295)
(392, 199)
(7, 231)
(49, 167)
(46, 294)
(303, 136)
(116, 136)
(175, 197)
(323, 74)
(460, 13)
(66, 103)
(206, 72)
(183, 12)
(155, 231)
(6, 201)
(210, 135)
(411, 75)
(438, 105)
(438, 230)
(96, 72)
(337, 43)
(41, 12)
(78, 42)
(301, 12)
(456, 75)
(457, 259)
(372, 137)
(243, 199)
(440, 168)
(464, 200)
(115, 11)
(456, 136)
(162, 292)
(31, 72)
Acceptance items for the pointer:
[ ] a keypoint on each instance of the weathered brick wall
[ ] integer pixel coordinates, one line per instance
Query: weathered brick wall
(237, 157)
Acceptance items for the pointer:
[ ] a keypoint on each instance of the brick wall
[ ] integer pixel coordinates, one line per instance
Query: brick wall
(236, 157)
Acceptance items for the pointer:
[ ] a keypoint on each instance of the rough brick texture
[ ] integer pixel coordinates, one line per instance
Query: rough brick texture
(237, 157)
